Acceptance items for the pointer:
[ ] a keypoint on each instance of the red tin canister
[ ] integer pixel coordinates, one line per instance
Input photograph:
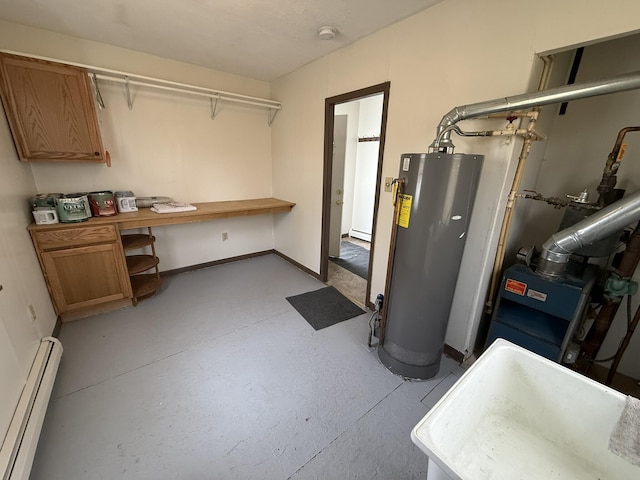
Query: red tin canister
(102, 204)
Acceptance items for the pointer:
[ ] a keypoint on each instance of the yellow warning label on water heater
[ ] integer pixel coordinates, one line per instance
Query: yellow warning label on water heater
(404, 213)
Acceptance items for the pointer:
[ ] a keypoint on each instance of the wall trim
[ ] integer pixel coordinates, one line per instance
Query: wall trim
(200, 266)
(449, 351)
(297, 265)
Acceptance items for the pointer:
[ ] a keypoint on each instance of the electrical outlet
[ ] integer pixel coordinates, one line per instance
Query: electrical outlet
(225, 236)
(31, 311)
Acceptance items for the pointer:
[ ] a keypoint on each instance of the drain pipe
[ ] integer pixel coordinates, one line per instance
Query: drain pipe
(613, 218)
(443, 143)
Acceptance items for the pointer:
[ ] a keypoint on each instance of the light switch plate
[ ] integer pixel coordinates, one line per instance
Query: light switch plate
(388, 184)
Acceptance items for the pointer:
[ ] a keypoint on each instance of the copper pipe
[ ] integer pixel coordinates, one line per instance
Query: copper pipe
(625, 343)
(613, 156)
(631, 256)
(629, 260)
(611, 166)
(590, 346)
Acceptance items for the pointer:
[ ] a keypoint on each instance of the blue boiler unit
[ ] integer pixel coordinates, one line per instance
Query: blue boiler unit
(541, 314)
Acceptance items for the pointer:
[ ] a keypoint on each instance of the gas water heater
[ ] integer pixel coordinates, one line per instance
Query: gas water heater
(435, 210)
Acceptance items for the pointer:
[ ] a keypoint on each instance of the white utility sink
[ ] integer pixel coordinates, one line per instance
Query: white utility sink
(515, 415)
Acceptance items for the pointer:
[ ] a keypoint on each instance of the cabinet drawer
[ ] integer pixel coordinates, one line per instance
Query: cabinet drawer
(71, 237)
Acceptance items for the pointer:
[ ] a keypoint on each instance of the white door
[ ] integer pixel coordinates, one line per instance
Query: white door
(337, 184)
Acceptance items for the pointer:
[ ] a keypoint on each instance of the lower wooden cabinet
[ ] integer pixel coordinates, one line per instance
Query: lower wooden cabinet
(86, 276)
(83, 267)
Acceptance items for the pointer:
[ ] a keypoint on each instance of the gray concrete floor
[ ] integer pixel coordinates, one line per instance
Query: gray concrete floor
(218, 377)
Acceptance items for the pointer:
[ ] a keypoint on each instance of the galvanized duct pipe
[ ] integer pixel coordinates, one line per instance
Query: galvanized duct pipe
(557, 250)
(622, 83)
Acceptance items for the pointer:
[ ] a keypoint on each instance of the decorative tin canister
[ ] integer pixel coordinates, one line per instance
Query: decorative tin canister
(126, 201)
(72, 210)
(85, 199)
(44, 200)
(102, 204)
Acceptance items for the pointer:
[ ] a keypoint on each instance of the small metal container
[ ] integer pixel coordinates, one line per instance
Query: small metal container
(72, 209)
(126, 201)
(102, 204)
(44, 200)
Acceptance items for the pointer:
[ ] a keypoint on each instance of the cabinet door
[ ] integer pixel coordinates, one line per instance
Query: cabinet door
(86, 276)
(50, 110)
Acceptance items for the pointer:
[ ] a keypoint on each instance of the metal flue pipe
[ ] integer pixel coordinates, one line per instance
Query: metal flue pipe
(613, 218)
(622, 83)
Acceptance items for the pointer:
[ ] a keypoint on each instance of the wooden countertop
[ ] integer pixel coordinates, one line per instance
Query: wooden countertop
(144, 217)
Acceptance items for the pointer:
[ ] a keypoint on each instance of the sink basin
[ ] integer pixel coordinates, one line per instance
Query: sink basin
(516, 415)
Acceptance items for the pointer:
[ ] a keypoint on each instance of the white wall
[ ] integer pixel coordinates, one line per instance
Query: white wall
(458, 52)
(367, 164)
(352, 110)
(361, 163)
(577, 150)
(168, 145)
(21, 280)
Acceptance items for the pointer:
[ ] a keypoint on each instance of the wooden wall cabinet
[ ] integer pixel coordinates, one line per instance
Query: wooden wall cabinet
(83, 267)
(50, 110)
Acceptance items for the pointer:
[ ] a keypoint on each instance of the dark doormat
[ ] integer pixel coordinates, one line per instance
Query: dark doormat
(325, 307)
(354, 258)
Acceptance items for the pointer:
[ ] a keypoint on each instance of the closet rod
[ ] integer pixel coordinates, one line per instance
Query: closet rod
(215, 94)
(142, 80)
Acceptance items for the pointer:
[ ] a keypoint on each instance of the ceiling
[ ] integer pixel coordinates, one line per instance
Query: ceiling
(261, 39)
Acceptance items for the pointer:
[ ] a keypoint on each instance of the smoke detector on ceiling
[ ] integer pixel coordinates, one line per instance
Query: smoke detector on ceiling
(327, 33)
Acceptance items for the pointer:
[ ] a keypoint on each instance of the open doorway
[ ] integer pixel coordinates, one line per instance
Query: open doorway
(355, 125)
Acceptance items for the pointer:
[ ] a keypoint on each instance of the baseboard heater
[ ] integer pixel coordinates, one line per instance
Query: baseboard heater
(19, 446)
(360, 235)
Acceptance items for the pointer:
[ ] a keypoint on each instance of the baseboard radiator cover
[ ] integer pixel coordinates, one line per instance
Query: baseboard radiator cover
(19, 446)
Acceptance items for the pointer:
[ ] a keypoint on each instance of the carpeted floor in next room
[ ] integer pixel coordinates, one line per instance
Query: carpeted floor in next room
(218, 376)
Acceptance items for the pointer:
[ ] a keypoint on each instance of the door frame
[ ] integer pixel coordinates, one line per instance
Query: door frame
(329, 112)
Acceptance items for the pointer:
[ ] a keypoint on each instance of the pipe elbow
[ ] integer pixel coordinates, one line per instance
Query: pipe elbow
(556, 250)
(453, 116)
(443, 130)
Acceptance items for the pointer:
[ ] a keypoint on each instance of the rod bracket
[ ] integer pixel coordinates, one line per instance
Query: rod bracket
(272, 116)
(99, 100)
(128, 92)
(214, 106)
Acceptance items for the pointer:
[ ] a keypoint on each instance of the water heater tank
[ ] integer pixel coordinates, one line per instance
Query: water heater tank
(439, 191)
